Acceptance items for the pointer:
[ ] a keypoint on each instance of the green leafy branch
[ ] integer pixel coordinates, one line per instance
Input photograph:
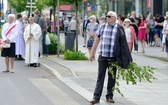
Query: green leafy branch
(132, 74)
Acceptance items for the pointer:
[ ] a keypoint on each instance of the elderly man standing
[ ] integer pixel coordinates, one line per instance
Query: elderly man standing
(20, 43)
(113, 48)
(32, 35)
(9, 34)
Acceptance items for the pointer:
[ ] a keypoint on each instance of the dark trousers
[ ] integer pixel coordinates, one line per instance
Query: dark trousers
(45, 50)
(151, 36)
(135, 46)
(159, 33)
(102, 66)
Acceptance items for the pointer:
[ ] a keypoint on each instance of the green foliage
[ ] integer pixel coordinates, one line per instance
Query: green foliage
(70, 1)
(71, 55)
(132, 74)
(18, 5)
(52, 48)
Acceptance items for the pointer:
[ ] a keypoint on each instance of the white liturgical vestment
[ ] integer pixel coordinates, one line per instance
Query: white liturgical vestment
(32, 45)
(20, 43)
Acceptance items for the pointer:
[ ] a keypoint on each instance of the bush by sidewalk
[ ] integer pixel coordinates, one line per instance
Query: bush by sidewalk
(52, 48)
(72, 55)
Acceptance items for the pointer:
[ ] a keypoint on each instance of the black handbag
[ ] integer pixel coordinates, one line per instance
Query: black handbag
(90, 42)
(166, 40)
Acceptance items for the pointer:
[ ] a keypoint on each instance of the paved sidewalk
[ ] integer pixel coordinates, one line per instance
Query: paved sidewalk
(81, 76)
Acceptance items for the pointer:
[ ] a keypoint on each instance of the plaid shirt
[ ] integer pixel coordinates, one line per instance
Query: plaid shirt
(107, 35)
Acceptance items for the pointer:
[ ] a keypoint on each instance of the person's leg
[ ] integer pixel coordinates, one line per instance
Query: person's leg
(85, 35)
(102, 66)
(150, 37)
(143, 46)
(45, 52)
(89, 49)
(161, 35)
(7, 63)
(111, 83)
(11, 56)
(136, 47)
(40, 47)
(12, 64)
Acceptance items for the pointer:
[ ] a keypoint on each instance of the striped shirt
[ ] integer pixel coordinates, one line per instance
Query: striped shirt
(107, 34)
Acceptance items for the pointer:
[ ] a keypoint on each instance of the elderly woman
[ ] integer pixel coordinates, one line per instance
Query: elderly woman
(9, 34)
(130, 33)
(91, 31)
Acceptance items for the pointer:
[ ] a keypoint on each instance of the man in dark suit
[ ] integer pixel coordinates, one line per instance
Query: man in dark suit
(85, 23)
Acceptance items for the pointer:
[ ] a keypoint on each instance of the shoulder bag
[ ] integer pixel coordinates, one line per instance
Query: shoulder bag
(90, 42)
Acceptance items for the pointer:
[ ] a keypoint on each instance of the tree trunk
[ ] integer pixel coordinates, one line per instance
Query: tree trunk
(76, 26)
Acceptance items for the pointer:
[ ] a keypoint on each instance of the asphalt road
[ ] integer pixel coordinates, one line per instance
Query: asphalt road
(34, 86)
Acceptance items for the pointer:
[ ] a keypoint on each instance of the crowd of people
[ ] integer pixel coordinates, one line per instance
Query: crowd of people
(26, 37)
(117, 36)
(149, 31)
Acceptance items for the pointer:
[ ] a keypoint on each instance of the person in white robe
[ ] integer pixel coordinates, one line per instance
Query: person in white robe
(20, 43)
(32, 34)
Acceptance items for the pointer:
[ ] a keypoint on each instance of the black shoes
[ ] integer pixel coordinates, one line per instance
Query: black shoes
(110, 100)
(33, 65)
(19, 59)
(94, 101)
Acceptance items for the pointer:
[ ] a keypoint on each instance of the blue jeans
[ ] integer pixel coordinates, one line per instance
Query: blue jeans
(159, 33)
(65, 29)
(45, 50)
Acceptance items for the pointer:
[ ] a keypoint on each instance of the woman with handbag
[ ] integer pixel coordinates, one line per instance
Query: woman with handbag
(91, 31)
(9, 34)
(151, 28)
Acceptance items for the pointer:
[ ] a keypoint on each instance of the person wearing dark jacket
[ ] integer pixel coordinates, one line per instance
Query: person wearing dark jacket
(85, 23)
(113, 48)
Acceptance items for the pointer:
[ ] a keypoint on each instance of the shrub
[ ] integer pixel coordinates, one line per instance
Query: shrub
(52, 48)
(72, 55)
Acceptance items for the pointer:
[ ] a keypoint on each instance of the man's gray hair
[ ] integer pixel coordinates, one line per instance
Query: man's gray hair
(112, 13)
(11, 15)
